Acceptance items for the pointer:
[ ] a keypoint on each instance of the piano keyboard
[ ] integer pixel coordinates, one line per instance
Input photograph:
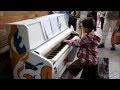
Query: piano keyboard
(56, 51)
(56, 54)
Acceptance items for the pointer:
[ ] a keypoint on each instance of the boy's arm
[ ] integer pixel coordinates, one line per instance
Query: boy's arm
(74, 43)
(77, 42)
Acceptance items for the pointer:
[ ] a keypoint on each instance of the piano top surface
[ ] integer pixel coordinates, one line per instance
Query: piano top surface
(35, 30)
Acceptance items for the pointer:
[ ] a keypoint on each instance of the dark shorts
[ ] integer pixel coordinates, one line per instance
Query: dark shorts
(99, 71)
(88, 71)
(75, 67)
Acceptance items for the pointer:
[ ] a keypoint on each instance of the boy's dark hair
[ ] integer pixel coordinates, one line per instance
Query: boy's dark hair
(89, 23)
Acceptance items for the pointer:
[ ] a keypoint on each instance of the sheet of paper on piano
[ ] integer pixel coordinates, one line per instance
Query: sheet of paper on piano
(55, 24)
(47, 27)
(63, 25)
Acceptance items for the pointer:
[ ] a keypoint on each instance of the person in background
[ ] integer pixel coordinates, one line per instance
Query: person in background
(93, 14)
(102, 17)
(87, 54)
(73, 19)
(82, 16)
(111, 20)
(67, 15)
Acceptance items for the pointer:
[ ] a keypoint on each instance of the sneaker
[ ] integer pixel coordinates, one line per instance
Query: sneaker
(101, 45)
(113, 47)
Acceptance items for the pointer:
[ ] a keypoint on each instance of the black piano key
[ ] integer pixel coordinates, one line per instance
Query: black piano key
(58, 50)
(36, 52)
(54, 53)
(61, 47)
(49, 57)
(71, 36)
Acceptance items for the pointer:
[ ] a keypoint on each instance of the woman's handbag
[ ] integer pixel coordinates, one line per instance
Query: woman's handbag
(115, 39)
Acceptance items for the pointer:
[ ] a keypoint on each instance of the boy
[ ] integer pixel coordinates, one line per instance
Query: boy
(87, 53)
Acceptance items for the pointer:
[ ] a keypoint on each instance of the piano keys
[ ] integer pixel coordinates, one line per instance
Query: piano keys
(56, 54)
(35, 54)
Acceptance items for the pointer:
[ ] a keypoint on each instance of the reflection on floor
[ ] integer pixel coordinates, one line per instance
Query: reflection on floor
(114, 56)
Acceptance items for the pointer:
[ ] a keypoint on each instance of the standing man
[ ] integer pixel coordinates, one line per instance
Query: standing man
(102, 17)
(67, 15)
(111, 20)
(73, 19)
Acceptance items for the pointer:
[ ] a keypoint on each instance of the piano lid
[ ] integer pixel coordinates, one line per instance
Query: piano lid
(31, 32)
(36, 35)
(40, 30)
(52, 25)
(56, 20)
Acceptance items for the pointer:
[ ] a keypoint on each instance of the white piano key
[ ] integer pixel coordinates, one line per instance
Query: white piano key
(62, 51)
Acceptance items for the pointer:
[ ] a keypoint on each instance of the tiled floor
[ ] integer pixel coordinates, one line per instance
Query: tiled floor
(114, 56)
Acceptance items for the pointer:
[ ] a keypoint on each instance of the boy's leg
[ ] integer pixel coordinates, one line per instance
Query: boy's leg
(75, 68)
(89, 72)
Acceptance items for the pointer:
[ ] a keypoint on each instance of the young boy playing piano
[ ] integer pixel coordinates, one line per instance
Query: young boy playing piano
(87, 54)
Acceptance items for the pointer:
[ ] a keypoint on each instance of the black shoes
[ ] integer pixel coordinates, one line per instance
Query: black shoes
(113, 47)
(101, 45)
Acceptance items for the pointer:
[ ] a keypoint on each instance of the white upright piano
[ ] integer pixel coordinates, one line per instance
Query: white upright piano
(36, 47)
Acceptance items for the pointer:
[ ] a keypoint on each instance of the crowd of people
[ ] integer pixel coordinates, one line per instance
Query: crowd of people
(107, 19)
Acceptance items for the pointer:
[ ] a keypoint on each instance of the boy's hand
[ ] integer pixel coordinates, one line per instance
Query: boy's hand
(65, 40)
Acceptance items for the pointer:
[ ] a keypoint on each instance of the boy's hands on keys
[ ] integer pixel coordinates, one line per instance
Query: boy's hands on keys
(65, 41)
